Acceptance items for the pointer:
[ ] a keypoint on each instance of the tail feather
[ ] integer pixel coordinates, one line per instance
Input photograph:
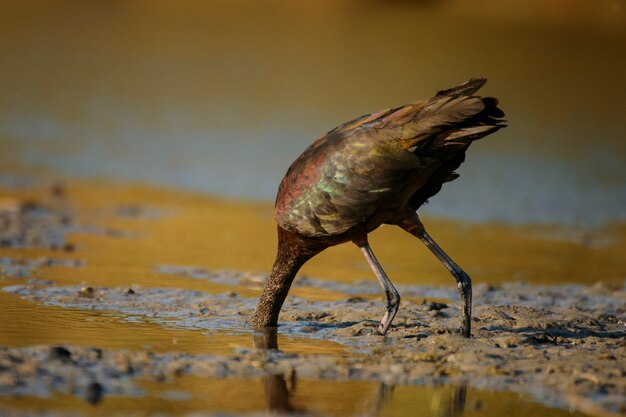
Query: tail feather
(452, 119)
(454, 115)
(466, 89)
(468, 134)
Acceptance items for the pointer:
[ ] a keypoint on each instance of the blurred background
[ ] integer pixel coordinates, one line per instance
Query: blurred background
(221, 96)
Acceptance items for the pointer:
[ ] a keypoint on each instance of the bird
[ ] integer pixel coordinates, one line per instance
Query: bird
(377, 169)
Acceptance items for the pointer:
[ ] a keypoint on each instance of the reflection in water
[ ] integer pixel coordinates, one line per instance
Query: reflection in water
(266, 339)
(445, 401)
(382, 397)
(451, 401)
(277, 392)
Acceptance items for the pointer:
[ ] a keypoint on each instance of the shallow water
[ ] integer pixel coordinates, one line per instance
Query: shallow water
(277, 394)
(140, 238)
(28, 324)
(197, 231)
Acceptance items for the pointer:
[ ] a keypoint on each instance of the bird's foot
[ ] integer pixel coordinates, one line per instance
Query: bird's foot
(384, 325)
(465, 327)
(390, 314)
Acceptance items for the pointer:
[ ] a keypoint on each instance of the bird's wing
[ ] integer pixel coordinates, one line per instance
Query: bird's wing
(358, 168)
(339, 181)
(412, 125)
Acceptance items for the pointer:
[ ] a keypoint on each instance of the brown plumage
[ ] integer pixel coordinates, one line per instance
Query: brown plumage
(377, 169)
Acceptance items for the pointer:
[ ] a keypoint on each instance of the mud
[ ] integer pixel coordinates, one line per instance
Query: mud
(29, 223)
(563, 344)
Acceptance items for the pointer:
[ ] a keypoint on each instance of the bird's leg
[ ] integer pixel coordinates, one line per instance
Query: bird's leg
(393, 298)
(413, 225)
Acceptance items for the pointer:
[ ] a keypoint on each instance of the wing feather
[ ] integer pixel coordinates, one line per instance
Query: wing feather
(361, 166)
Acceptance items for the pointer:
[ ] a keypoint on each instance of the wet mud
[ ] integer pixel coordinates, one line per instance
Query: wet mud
(33, 223)
(564, 345)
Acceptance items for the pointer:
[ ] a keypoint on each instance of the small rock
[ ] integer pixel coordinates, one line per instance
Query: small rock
(93, 393)
(60, 353)
(86, 292)
(95, 354)
(435, 306)
(122, 363)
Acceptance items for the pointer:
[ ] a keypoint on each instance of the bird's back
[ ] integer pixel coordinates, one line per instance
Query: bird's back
(364, 171)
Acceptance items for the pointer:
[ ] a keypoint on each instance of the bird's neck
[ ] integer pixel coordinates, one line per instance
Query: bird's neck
(291, 255)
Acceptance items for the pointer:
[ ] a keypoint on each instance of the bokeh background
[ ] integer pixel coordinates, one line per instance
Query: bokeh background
(221, 96)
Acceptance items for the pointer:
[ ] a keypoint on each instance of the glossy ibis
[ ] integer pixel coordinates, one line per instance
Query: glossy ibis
(377, 169)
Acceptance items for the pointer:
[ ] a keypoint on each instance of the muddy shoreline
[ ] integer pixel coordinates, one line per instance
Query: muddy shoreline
(565, 345)
(567, 351)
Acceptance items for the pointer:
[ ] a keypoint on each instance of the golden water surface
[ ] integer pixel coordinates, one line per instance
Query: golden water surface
(191, 394)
